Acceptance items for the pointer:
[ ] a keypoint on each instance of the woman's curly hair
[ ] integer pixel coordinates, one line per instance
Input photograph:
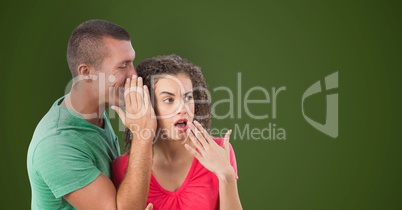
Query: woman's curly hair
(174, 65)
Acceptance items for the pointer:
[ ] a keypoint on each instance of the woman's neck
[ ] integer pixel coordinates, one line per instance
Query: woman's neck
(171, 150)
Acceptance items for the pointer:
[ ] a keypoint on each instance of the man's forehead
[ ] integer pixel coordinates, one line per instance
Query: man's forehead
(119, 48)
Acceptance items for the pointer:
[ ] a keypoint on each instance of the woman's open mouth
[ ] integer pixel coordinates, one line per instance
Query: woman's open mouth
(181, 124)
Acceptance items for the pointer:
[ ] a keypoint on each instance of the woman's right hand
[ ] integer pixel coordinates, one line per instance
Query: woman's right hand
(139, 116)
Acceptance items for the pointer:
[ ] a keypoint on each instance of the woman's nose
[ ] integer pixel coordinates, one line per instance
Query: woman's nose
(182, 107)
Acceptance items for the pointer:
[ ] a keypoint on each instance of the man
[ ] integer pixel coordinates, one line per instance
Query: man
(70, 153)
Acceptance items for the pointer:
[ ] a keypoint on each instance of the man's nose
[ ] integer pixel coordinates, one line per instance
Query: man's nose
(131, 72)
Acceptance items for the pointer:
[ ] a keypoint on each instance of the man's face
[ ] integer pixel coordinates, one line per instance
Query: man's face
(115, 68)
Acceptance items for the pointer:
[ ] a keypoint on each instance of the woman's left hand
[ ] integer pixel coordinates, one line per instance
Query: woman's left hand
(212, 156)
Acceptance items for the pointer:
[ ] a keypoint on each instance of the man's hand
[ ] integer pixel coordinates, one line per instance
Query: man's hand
(139, 116)
(150, 207)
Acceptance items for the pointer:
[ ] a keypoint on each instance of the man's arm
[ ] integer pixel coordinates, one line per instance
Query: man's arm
(99, 194)
(133, 191)
(140, 119)
(138, 174)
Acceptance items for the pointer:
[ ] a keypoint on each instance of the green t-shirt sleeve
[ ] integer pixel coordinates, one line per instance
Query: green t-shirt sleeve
(65, 164)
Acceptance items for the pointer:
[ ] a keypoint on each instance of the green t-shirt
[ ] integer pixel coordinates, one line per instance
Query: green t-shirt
(67, 153)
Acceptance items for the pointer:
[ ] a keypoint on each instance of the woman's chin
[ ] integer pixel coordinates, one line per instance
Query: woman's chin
(179, 137)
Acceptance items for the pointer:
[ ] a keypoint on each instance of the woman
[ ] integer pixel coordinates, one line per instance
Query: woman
(190, 169)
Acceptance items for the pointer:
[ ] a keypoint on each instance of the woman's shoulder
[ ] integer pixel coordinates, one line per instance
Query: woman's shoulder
(119, 167)
(120, 161)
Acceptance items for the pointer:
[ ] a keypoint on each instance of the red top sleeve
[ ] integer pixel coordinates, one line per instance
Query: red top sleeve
(119, 167)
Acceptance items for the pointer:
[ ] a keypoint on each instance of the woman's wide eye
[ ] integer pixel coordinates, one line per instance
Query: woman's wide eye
(168, 100)
(188, 97)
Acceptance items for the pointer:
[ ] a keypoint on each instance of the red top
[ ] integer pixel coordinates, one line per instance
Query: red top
(200, 189)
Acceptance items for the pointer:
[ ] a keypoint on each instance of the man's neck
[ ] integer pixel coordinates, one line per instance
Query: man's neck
(86, 105)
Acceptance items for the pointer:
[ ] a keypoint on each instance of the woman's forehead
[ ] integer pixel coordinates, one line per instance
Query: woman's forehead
(174, 83)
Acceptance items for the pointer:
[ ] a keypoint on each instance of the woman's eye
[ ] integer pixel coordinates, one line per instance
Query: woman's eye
(188, 98)
(168, 100)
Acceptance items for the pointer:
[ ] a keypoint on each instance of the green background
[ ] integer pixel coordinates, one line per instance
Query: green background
(272, 44)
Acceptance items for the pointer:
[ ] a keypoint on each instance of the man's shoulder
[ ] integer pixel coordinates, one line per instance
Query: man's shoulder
(51, 145)
(58, 128)
(60, 121)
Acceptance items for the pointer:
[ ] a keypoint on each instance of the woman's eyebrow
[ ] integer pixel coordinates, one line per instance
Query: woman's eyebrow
(166, 92)
(188, 92)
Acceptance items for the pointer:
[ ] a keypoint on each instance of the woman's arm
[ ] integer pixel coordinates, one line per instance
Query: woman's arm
(217, 160)
(228, 194)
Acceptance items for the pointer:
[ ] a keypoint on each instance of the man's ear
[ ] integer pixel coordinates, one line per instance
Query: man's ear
(84, 70)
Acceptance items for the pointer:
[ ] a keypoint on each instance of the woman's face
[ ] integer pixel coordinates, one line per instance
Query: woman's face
(174, 106)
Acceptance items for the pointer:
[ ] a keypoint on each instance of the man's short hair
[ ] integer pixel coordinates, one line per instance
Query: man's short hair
(86, 46)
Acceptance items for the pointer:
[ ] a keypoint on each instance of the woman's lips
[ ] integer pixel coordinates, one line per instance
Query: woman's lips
(181, 124)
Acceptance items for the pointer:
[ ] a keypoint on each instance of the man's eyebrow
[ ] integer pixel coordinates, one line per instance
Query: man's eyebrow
(126, 61)
(166, 92)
